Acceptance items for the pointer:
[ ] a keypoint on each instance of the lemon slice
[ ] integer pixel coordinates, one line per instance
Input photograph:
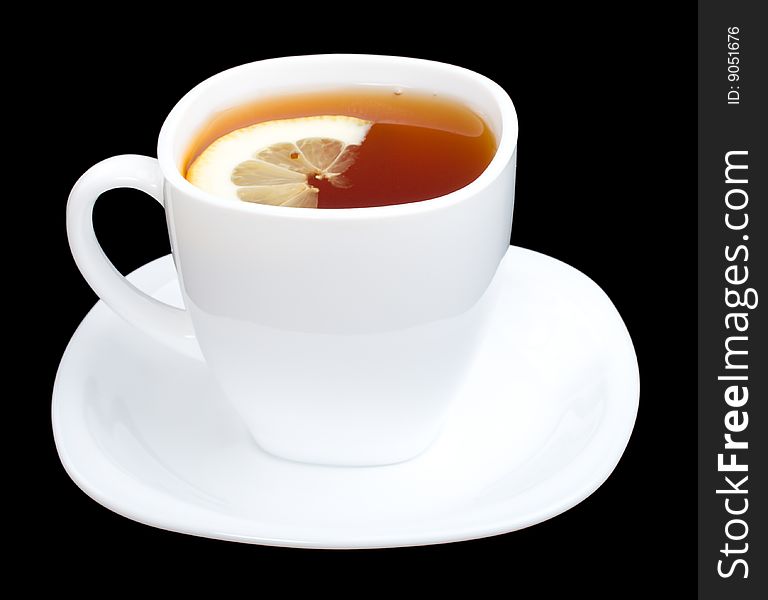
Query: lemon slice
(274, 162)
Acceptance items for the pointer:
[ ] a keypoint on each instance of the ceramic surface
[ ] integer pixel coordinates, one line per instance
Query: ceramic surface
(542, 417)
(355, 324)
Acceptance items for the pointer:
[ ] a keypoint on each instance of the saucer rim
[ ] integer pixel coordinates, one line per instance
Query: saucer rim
(152, 276)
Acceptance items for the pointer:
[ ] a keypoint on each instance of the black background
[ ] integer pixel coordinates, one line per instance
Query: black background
(605, 183)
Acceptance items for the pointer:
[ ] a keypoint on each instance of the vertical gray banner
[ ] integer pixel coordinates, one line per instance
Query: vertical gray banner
(732, 300)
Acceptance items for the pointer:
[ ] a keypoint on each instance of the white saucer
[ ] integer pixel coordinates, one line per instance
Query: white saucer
(543, 418)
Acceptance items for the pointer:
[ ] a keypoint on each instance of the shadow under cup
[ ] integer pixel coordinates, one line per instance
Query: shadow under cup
(340, 336)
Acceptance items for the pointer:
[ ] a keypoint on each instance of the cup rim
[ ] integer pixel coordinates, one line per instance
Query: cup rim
(504, 152)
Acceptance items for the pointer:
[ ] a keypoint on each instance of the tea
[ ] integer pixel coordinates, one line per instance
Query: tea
(418, 146)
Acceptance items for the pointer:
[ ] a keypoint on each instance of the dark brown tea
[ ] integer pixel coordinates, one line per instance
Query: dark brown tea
(418, 146)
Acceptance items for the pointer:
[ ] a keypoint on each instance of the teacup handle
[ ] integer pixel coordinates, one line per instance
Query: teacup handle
(163, 322)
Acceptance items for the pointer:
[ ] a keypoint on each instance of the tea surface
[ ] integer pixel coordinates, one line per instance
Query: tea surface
(420, 146)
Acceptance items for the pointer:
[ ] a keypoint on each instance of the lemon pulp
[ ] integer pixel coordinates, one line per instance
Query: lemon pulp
(274, 162)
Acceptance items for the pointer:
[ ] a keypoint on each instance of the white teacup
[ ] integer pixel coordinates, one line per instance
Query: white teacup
(339, 335)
